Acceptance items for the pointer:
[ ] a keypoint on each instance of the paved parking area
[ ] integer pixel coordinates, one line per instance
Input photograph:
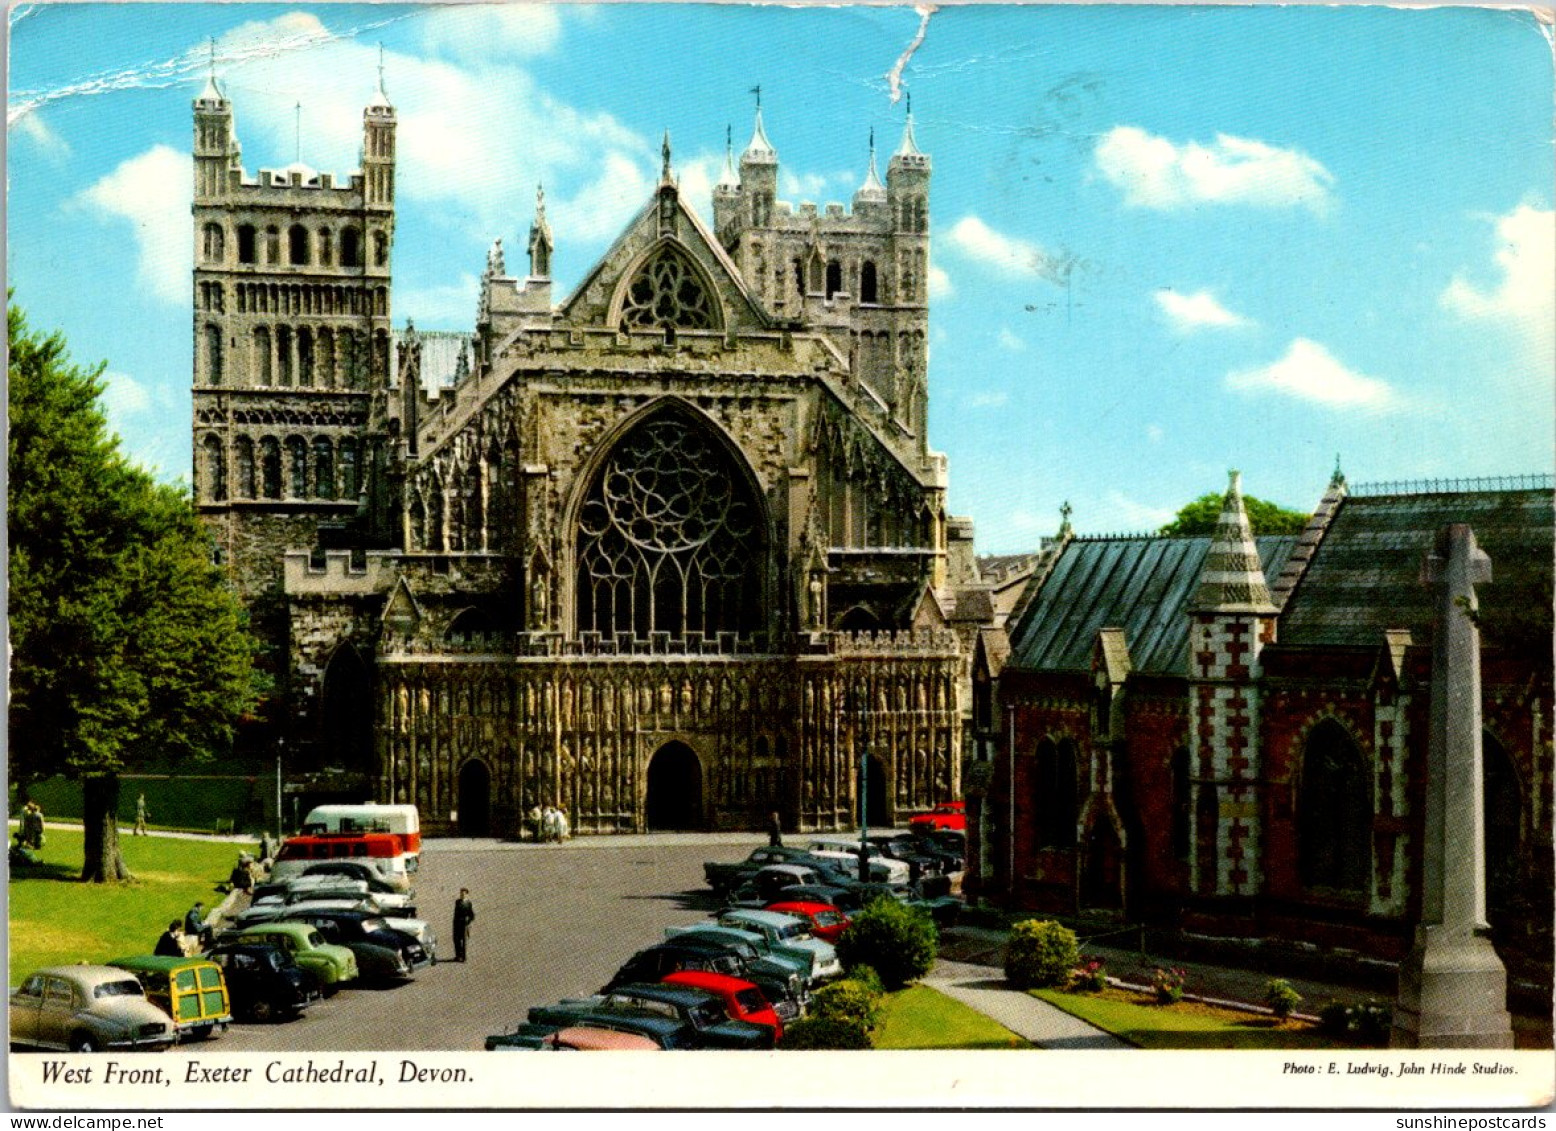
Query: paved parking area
(552, 921)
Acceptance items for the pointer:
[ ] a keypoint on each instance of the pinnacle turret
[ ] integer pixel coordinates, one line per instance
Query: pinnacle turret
(1232, 580)
(759, 151)
(872, 189)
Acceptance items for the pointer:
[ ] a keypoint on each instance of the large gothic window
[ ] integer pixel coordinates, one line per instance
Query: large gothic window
(668, 291)
(1054, 804)
(669, 539)
(1334, 813)
(1502, 810)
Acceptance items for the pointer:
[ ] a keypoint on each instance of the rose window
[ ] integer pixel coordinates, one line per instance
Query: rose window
(668, 291)
(668, 538)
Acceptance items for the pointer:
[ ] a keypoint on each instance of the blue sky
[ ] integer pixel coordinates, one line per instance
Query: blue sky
(1166, 241)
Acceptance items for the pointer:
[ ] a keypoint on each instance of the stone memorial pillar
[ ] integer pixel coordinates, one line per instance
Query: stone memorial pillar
(1452, 986)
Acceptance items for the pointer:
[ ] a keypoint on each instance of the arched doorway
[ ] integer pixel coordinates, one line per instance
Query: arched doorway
(345, 715)
(874, 794)
(1502, 809)
(475, 799)
(674, 798)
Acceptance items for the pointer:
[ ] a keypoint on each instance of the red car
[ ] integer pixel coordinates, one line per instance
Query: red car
(949, 815)
(826, 922)
(742, 999)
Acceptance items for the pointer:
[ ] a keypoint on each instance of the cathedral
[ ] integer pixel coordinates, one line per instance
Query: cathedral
(669, 551)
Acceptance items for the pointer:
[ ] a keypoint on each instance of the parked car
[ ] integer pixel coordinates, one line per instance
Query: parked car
(311, 886)
(827, 923)
(765, 884)
(191, 991)
(846, 851)
(263, 982)
(353, 870)
(700, 1010)
(621, 1031)
(334, 966)
(946, 815)
(787, 934)
(781, 985)
(794, 966)
(743, 1000)
(86, 1009)
(921, 859)
(383, 954)
(723, 877)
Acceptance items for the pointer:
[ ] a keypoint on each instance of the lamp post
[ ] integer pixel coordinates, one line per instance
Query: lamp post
(280, 751)
(864, 815)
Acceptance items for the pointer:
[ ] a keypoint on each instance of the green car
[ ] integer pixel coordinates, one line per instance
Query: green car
(334, 966)
(189, 990)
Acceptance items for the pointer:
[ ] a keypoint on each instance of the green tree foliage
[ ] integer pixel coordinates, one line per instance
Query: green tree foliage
(898, 941)
(126, 642)
(1199, 517)
(1040, 953)
(826, 1034)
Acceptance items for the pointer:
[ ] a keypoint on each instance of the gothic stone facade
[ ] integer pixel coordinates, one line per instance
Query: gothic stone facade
(1245, 759)
(658, 553)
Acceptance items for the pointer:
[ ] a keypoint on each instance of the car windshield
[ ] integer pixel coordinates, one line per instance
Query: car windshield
(709, 1013)
(750, 1000)
(315, 940)
(828, 918)
(129, 987)
(793, 931)
(371, 925)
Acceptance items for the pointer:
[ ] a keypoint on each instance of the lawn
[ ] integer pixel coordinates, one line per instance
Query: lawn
(1186, 1025)
(55, 919)
(921, 1018)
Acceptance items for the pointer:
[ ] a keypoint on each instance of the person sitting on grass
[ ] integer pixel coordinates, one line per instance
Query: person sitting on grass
(20, 854)
(171, 943)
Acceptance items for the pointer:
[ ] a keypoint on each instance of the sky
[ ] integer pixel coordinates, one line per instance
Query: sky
(1166, 241)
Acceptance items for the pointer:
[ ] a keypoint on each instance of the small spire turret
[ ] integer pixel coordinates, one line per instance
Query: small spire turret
(540, 242)
(759, 151)
(872, 189)
(729, 180)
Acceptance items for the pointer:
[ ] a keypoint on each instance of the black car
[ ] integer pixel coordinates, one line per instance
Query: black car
(699, 1011)
(263, 983)
(383, 954)
(652, 963)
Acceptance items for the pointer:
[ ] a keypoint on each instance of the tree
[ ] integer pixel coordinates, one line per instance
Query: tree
(1199, 517)
(126, 642)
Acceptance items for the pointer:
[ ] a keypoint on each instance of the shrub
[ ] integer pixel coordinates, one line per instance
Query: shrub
(1367, 1024)
(865, 974)
(898, 941)
(1040, 953)
(1167, 983)
(825, 1033)
(849, 1000)
(1280, 997)
(1092, 974)
(1335, 1019)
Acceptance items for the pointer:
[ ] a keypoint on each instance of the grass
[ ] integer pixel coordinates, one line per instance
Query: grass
(921, 1018)
(57, 920)
(1187, 1025)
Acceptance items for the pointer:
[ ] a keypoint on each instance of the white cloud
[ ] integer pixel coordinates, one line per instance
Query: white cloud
(32, 127)
(1009, 340)
(1191, 312)
(449, 304)
(993, 399)
(1009, 254)
(153, 193)
(603, 206)
(458, 118)
(1128, 515)
(940, 285)
(1154, 172)
(1155, 433)
(1526, 259)
(469, 31)
(123, 396)
(1309, 372)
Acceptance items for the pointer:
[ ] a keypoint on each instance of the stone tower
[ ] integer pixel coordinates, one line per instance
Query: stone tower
(860, 275)
(292, 349)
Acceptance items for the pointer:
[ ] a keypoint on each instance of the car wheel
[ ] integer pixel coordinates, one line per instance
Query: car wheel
(202, 1032)
(83, 1042)
(262, 1011)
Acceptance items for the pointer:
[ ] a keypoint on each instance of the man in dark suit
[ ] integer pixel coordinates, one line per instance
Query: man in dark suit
(464, 915)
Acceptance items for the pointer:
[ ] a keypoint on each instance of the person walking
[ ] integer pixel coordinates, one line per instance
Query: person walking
(32, 826)
(140, 816)
(464, 915)
(775, 831)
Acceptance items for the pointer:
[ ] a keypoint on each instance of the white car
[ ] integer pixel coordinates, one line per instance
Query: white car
(846, 852)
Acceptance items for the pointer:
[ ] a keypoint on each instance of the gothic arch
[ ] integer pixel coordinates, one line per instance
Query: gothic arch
(668, 530)
(1334, 811)
(1054, 802)
(346, 710)
(674, 786)
(667, 287)
(1502, 809)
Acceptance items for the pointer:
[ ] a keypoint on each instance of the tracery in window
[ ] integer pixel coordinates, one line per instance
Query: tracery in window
(669, 538)
(668, 291)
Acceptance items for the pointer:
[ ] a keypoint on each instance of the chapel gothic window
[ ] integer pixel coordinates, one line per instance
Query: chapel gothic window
(1054, 803)
(1334, 812)
(669, 538)
(668, 291)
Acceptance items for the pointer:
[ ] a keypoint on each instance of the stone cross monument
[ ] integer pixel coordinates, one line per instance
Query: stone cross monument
(1452, 986)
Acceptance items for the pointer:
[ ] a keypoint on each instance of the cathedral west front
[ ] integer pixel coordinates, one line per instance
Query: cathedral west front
(669, 550)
